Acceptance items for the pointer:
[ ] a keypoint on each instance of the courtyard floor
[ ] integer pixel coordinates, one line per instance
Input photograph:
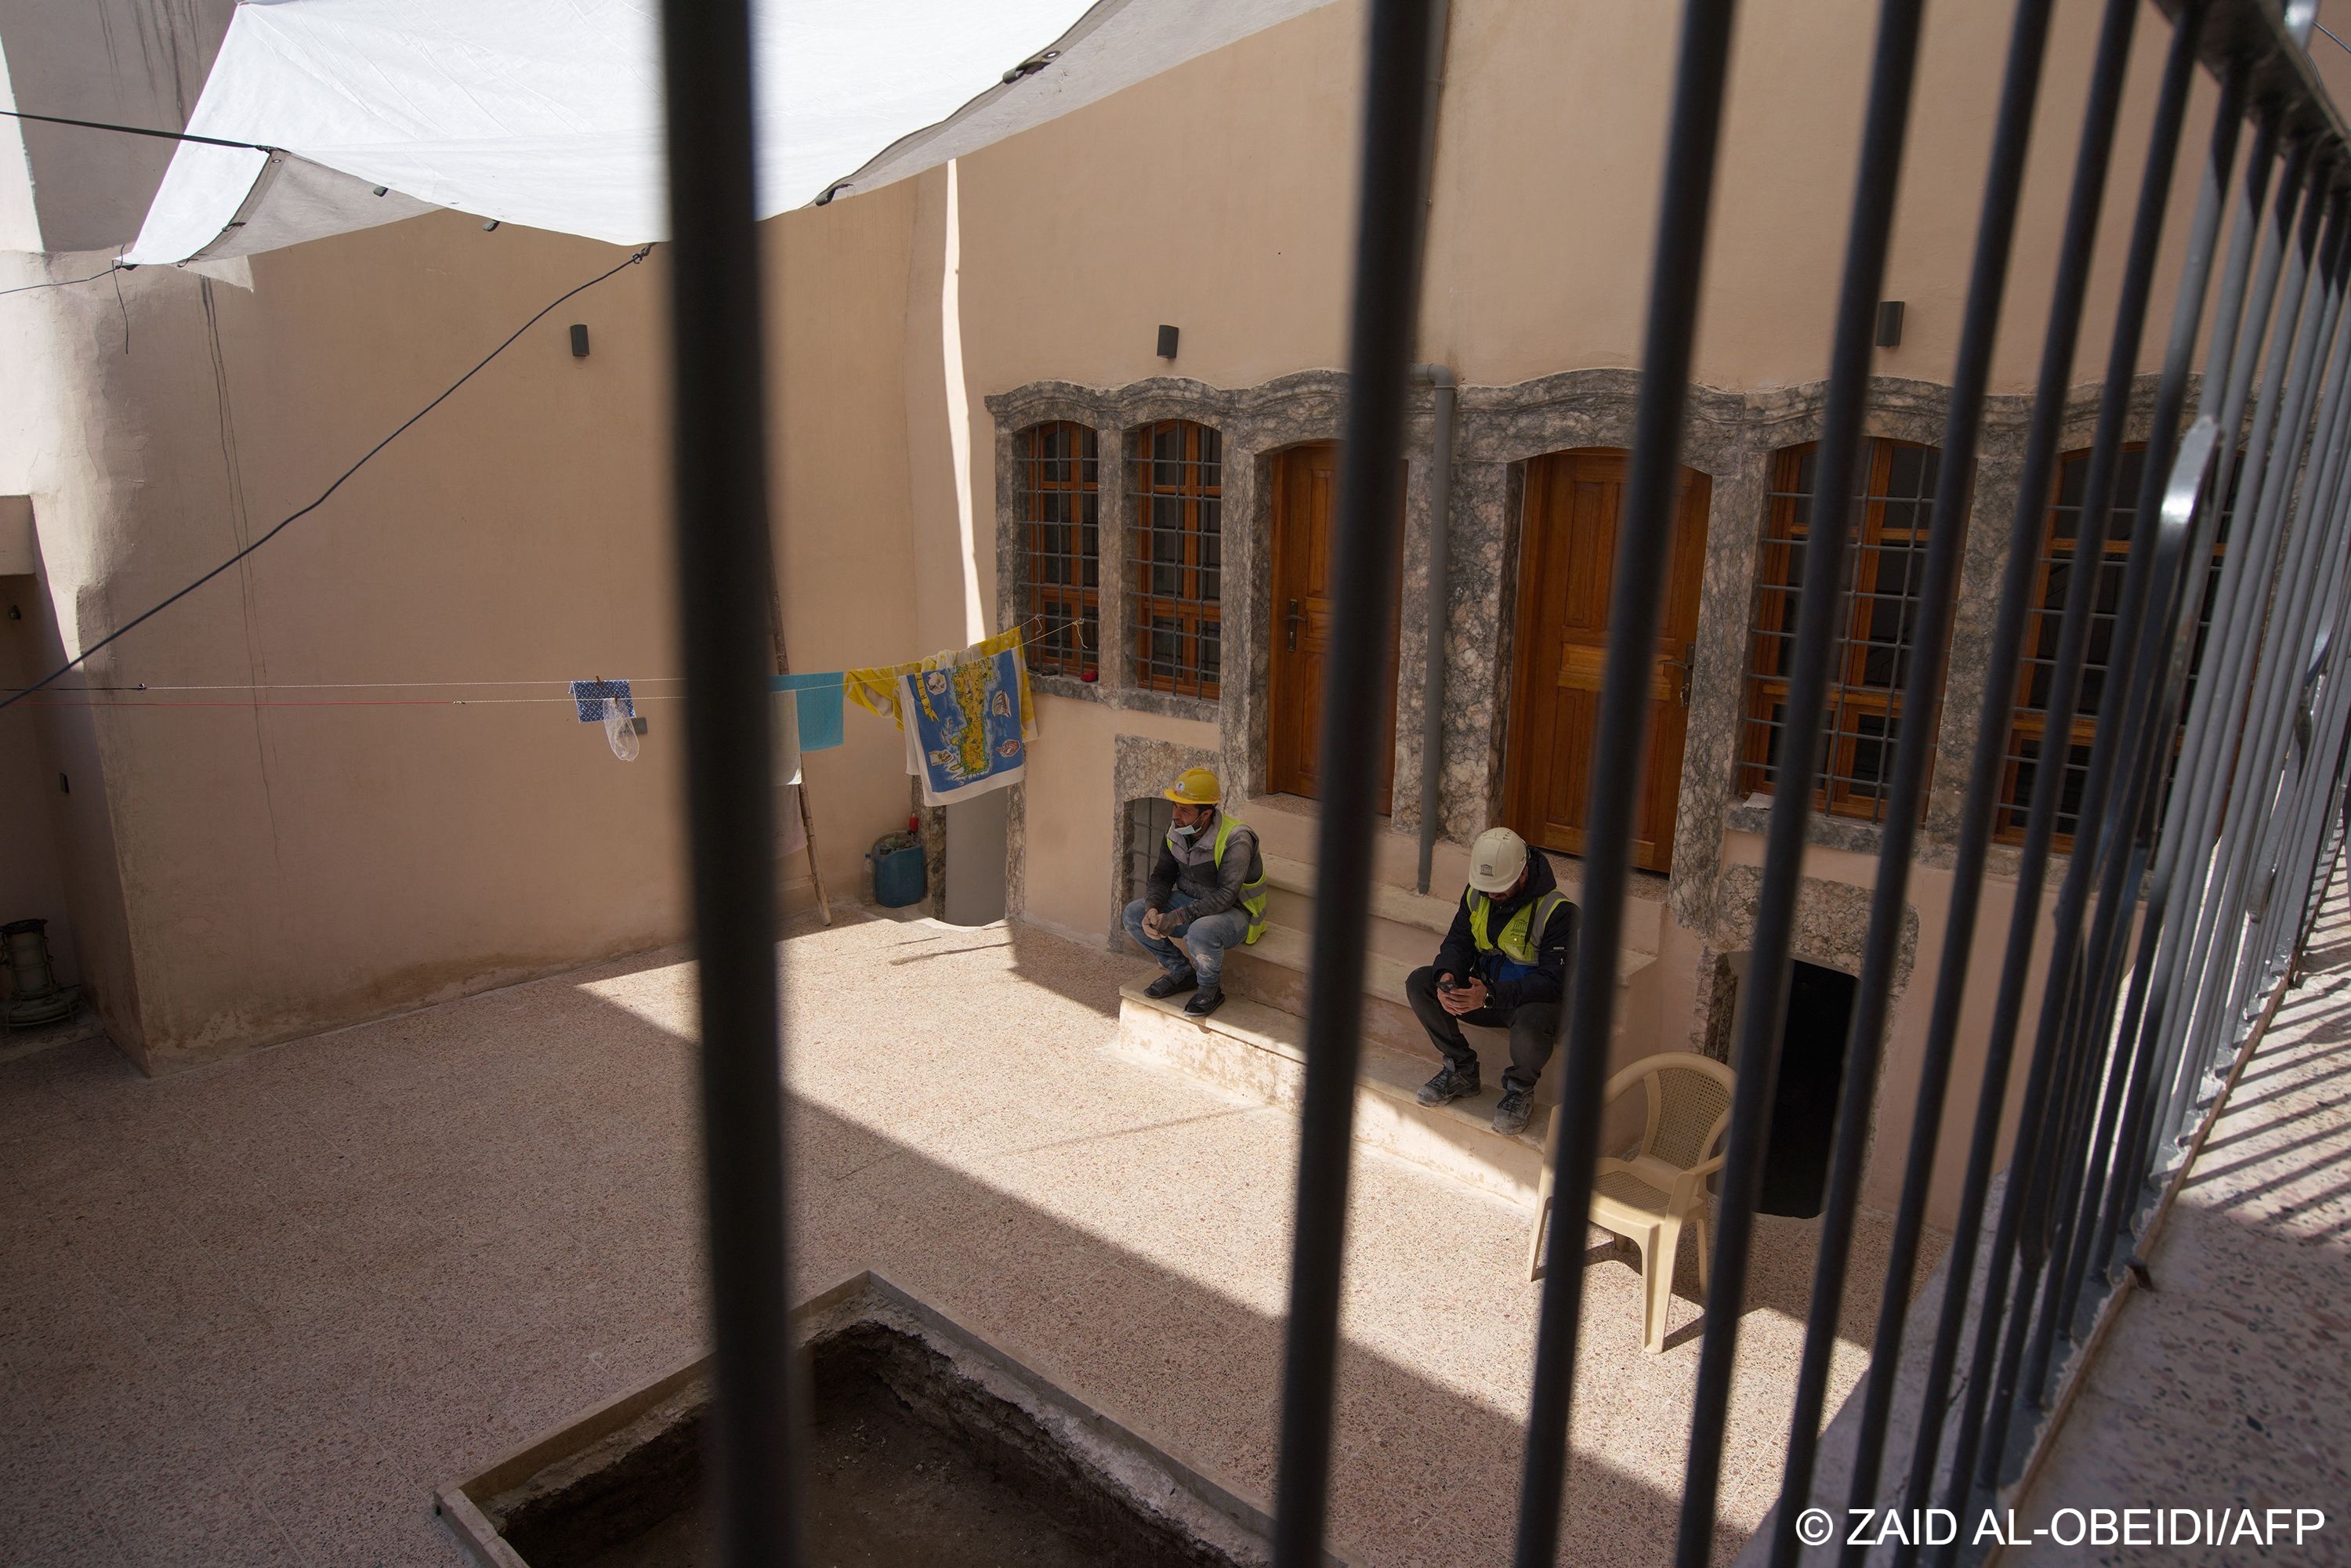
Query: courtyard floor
(252, 1312)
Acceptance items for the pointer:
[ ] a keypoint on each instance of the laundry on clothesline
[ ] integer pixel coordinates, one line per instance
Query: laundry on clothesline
(597, 699)
(784, 736)
(964, 724)
(819, 707)
(876, 690)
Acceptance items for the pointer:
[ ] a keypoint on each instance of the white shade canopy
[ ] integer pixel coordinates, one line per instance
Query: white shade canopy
(548, 113)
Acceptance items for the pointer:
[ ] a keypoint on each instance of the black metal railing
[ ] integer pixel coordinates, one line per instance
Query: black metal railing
(2200, 833)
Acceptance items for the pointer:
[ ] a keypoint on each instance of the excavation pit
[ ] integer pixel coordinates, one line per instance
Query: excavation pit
(926, 1446)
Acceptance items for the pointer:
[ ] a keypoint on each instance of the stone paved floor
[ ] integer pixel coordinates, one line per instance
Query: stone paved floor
(250, 1313)
(2229, 1386)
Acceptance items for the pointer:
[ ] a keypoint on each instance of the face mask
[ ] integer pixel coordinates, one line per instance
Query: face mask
(1185, 833)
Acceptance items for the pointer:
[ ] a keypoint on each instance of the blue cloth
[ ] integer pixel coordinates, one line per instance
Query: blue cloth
(1209, 938)
(819, 707)
(964, 724)
(591, 698)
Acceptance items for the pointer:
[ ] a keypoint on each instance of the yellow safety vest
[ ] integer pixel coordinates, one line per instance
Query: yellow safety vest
(1253, 893)
(1522, 935)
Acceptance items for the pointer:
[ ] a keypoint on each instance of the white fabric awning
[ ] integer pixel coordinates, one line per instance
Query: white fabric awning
(548, 113)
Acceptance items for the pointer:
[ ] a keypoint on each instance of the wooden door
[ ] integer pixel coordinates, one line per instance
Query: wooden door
(1305, 494)
(1566, 571)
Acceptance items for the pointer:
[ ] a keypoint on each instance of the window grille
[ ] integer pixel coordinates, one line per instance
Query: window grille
(1885, 567)
(1061, 521)
(1177, 488)
(2052, 580)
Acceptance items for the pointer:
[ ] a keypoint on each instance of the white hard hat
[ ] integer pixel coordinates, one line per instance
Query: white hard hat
(1496, 860)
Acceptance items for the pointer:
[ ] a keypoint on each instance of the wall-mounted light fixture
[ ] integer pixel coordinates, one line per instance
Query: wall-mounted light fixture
(580, 339)
(1890, 323)
(1166, 342)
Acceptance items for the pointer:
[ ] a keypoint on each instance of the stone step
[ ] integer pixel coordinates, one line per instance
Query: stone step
(1255, 1050)
(1272, 971)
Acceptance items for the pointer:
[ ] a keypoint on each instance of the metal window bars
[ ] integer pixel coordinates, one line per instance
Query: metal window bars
(1056, 483)
(2164, 950)
(1890, 522)
(1175, 558)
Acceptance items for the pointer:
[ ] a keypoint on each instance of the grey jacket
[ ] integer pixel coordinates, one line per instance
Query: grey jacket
(1195, 871)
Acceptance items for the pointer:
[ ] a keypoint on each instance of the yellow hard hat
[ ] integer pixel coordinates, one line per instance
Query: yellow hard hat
(1193, 787)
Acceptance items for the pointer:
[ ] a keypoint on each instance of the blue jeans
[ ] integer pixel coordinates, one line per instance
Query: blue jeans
(1208, 937)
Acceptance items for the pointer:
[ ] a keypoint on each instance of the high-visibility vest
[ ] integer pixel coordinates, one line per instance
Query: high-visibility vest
(1253, 893)
(1521, 936)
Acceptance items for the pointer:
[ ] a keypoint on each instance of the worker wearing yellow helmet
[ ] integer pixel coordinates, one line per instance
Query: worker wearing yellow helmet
(1208, 886)
(1503, 964)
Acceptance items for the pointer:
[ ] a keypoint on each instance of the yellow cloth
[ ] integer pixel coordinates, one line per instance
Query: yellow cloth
(876, 690)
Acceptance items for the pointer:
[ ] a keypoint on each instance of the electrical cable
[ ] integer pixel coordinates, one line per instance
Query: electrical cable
(140, 130)
(634, 257)
(67, 282)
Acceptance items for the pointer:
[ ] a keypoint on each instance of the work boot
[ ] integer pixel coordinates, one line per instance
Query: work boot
(1204, 1002)
(1510, 1116)
(1170, 985)
(1450, 1083)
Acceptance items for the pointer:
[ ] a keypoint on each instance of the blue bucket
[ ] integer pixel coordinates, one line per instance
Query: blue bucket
(899, 878)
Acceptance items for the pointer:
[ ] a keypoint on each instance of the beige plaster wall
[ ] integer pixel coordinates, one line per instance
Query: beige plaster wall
(317, 859)
(1219, 196)
(1068, 817)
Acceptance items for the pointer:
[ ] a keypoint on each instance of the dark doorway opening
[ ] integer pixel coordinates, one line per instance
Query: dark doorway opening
(1803, 1111)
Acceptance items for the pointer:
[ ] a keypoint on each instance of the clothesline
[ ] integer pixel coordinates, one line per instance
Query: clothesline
(1025, 628)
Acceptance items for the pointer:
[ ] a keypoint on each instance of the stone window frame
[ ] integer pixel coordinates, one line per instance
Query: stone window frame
(1729, 436)
(1256, 423)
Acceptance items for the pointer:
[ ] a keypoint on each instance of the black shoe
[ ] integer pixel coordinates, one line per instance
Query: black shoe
(1450, 1083)
(1510, 1116)
(1169, 985)
(1203, 1003)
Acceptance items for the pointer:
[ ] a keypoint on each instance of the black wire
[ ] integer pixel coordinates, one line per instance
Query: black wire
(138, 130)
(69, 666)
(67, 282)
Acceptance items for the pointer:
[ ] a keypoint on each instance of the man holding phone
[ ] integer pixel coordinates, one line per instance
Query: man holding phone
(1503, 966)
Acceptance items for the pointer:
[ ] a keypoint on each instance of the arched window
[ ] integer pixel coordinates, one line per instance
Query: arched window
(2028, 740)
(1176, 487)
(1061, 516)
(1886, 568)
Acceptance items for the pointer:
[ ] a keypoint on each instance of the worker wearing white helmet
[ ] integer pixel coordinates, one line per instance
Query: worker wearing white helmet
(1503, 965)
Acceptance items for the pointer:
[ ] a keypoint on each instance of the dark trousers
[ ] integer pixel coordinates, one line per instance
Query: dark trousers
(1534, 1028)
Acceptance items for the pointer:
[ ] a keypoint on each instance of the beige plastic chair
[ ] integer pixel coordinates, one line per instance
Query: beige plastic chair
(1660, 1185)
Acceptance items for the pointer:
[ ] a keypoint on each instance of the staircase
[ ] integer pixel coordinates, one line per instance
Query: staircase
(1255, 1044)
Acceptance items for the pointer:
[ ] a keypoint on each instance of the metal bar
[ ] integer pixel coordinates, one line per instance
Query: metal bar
(2025, 1165)
(2213, 731)
(2215, 962)
(2140, 712)
(719, 431)
(1644, 537)
(1390, 208)
(1885, 125)
(2239, 347)
(2071, 282)
(1995, 234)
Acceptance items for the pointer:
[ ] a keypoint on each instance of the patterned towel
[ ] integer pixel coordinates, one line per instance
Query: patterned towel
(966, 735)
